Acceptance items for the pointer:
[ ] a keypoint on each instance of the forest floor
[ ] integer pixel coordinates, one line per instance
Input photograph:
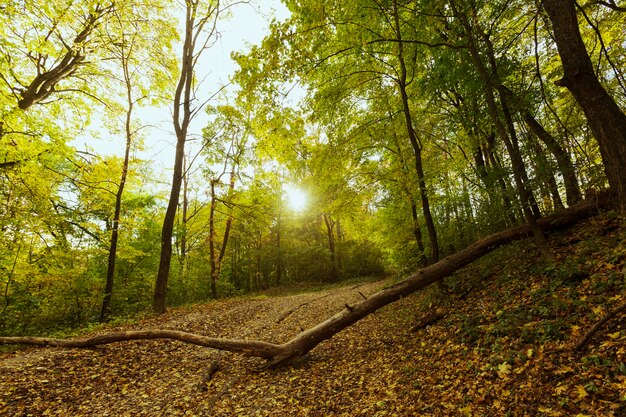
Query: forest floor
(503, 346)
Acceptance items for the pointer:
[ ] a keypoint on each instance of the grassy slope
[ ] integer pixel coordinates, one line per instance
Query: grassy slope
(504, 347)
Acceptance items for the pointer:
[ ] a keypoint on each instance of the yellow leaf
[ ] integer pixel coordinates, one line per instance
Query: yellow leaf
(575, 329)
(597, 310)
(614, 335)
(560, 389)
(581, 391)
(503, 369)
(563, 370)
(467, 410)
(529, 353)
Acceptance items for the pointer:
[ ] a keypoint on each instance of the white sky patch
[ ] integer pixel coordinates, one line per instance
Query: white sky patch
(296, 198)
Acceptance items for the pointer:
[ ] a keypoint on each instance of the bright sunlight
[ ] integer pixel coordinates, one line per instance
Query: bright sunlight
(296, 198)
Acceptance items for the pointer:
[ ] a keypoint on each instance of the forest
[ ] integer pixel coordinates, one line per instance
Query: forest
(356, 141)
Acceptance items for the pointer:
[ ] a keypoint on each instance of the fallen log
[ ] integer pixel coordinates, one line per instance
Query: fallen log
(302, 343)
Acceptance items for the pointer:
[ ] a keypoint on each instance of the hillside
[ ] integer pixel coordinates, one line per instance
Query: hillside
(503, 346)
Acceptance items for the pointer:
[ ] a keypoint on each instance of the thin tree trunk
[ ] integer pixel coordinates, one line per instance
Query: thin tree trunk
(182, 99)
(330, 225)
(182, 268)
(105, 312)
(606, 119)
(563, 159)
(417, 232)
(503, 183)
(492, 186)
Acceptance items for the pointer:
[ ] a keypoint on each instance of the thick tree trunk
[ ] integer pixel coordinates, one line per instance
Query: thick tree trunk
(279, 354)
(606, 119)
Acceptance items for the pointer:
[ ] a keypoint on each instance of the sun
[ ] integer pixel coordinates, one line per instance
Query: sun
(296, 198)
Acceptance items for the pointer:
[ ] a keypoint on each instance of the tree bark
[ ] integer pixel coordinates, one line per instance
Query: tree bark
(606, 119)
(302, 343)
(417, 232)
(563, 159)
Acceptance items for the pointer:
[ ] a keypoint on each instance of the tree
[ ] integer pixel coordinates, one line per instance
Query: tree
(228, 148)
(129, 48)
(606, 120)
(200, 29)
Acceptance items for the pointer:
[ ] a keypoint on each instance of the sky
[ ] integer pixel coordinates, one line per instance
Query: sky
(246, 26)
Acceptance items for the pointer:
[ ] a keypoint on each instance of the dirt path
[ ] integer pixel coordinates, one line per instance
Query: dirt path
(170, 378)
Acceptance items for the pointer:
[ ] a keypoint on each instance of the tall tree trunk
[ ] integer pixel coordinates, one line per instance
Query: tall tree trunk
(516, 156)
(563, 159)
(417, 232)
(491, 185)
(181, 119)
(503, 183)
(340, 238)
(279, 253)
(545, 173)
(401, 81)
(606, 119)
(184, 219)
(182, 115)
